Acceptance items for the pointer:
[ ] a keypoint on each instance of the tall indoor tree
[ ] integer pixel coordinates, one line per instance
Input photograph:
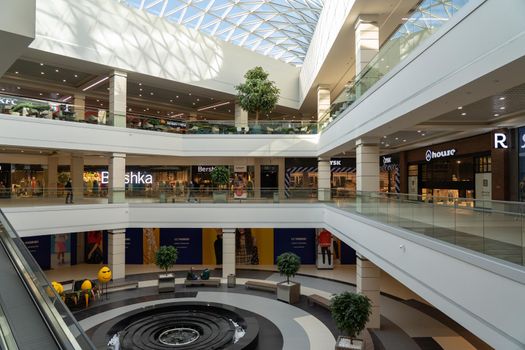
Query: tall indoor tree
(257, 94)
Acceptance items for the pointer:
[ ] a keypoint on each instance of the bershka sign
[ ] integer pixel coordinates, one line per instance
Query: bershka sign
(133, 178)
(205, 169)
(429, 154)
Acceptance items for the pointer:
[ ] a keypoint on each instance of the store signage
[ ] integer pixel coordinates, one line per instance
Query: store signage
(336, 162)
(240, 168)
(387, 160)
(500, 140)
(205, 169)
(133, 178)
(8, 100)
(429, 154)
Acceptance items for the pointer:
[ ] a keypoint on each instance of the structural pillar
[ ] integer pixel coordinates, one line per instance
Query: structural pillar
(117, 253)
(228, 252)
(324, 182)
(77, 177)
(117, 173)
(366, 41)
(79, 103)
(323, 101)
(52, 176)
(257, 179)
(117, 98)
(368, 283)
(367, 175)
(241, 118)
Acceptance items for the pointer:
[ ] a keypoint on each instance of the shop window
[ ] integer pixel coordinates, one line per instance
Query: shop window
(483, 164)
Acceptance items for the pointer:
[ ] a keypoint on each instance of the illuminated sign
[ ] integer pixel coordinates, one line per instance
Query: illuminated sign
(335, 162)
(429, 154)
(387, 160)
(205, 169)
(500, 140)
(137, 178)
(8, 100)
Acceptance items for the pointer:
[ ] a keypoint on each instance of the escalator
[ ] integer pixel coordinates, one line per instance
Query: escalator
(32, 316)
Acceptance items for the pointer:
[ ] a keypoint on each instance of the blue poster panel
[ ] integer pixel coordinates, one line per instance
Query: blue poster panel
(134, 240)
(300, 241)
(188, 242)
(347, 254)
(40, 248)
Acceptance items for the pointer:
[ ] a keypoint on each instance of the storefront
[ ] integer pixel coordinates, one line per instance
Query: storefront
(242, 180)
(27, 180)
(301, 176)
(389, 173)
(458, 169)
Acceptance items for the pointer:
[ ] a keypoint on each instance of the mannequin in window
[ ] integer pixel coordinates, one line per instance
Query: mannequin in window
(325, 242)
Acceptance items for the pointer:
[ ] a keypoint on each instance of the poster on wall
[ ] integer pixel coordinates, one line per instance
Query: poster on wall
(60, 250)
(240, 182)
(39, 247)
(134, 241)
(150, 244)
(300, 241)
(246, 247)
(212, 246)
(188, 242)
(94, 247)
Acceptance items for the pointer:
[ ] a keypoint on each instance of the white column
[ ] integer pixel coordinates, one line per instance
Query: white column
(367, 165)
(324, 182)
(366, 41)
(117, 98)
(368, 283)
(228, 252)
(323, 101)
(79, 103)
(116, 185)
(257, 179)
(241, 118)
(52, 176)
(77, 177)
(117, 253)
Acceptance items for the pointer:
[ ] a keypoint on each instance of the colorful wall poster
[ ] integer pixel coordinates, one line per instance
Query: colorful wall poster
(39, 247)
(300, 241)
(134, 246)
(188, 242)
(212, 246)
(60, 250)
(240, 182)
(94, 251)
(264, 242)
(150, 244)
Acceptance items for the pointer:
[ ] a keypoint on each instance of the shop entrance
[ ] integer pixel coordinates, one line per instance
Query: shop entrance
(269, 180)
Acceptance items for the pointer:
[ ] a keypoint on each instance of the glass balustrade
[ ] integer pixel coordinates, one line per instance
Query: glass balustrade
(495, 228)
(425, 20)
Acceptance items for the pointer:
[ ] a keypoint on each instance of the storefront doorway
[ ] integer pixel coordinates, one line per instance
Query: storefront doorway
(269, 180)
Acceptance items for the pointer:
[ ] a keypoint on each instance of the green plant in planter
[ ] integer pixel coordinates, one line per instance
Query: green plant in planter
(29, 105)
(288, 264)
(166, 257)
(220, 176)
(257, 94)
(351, 312)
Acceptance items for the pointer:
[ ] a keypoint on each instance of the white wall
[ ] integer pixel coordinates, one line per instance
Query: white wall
(454, 57)
(108, 33)
(53, 134)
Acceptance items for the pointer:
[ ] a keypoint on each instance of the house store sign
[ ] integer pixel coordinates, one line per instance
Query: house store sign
(429, 154)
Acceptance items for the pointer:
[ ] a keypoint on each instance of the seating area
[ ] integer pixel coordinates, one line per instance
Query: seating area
(264, 286)
(316, 299)
(213, 282)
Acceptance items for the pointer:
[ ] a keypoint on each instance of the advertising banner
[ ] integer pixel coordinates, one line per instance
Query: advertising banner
(134, 243)
(94, 252)
(40, 247)
(300, 241)
(60, 250)
(212, 246)
(240, 182)
(150, 244)
(188, 241)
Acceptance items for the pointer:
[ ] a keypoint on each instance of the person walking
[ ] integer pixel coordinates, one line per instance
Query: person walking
(69, 191)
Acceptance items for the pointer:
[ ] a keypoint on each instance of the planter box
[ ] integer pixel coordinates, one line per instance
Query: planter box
(345, 343)
(219, 196)
(290, 293)
(167, 283)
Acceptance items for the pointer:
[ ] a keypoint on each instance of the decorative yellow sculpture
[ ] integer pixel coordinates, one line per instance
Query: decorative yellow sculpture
(104, 274)
(86, 288)
(58, 287)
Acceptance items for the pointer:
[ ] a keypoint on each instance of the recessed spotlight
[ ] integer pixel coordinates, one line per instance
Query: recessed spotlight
(64, 80)
(140, 84)
(404, 140)
(101, 104)
(40, 94)
(98, 100)
(58, 94)
(144, 110)
(147, 109)
(229, 110)
(56, 70)
(151, 93)
(193, 103)
(171, 101)
(177, 96)
(41, 64)
(140, 95)
(140, 89)
(397, 138)
(158, 112)
(419, 131)
(423, 134)
(384, 137)
(22, 151)
(18, 87)
(129, 109)
(460, 107)
(16, 72)
(189, 93)
(501, 98)
(502, 108)
(387, 145)
(76, 75)
(463, 113)
(496, 114)
(42, 73)
(3, 89)
(198, 100)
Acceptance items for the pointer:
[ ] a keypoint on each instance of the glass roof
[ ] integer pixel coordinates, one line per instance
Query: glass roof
(281, 29)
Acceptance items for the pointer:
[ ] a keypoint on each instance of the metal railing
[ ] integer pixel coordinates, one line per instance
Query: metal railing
(59, 320)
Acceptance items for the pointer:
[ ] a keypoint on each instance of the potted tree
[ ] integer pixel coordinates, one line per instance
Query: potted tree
(257, 94)
(288, 264)
(350, 312)
(165, 258)
(220, 178)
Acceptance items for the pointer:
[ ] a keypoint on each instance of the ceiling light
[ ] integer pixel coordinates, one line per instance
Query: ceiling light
(18, 87)
(460, 107)
(423, 134)
(194, 103)
(16, 72)
(140, 84)
(189, 93)
(171, 101)
(147, 109)
(56, 70)
(151, 93)
(178, 115)
(397, 138)
(3, 89)
(419, 131)
(384, 137)
(502, 108)
(496, 114)
(198, 100)
(64, 80)
(66, 99)
(101, 104)
(41, 64)
(158, 112)
(140, 89)
(40, 94)
(404, 140)
(463, 113)
(42, 73)
(213, 106)
(177, 96)
(501, 98)
(387, 145)
(140, 95)
(98, 100)
(95, 83)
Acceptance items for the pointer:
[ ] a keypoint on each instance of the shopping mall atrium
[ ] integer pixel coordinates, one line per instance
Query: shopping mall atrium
(262, 174)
